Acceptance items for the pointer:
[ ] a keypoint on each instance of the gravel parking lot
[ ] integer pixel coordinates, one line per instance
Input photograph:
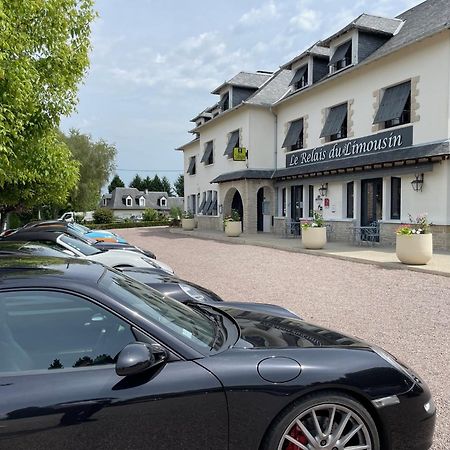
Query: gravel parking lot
(407, 313)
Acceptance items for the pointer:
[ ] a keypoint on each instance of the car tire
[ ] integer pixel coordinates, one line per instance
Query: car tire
(322, 404)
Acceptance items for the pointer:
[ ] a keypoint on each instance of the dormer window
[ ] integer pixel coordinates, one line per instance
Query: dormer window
(395, 106)
(224, 102)
(294, 136)
(342, 57)
(142, 201)
(105, 201)
(129, 201)
(336, 124)
(208, 155)
(192, 169)
(163, 202)
(300, 79)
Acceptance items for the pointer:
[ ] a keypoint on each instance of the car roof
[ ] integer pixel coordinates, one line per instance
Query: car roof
(46, 270)
(156, 275)
(32, 235)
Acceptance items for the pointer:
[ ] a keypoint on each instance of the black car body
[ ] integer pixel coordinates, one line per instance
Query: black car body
(109, 363)
(58, 226)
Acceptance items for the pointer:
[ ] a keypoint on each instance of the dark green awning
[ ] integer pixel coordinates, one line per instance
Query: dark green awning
(295, 128)
(299, 75)
(393, 102)
(335, 120)
(208, 151)
(232, 142)
(191, 168)
(340, 53)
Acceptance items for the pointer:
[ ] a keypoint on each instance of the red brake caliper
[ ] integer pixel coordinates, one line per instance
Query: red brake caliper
(298, 435)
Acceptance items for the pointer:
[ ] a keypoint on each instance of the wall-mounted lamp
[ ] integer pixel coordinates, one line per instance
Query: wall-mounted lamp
(220, 209)
(417, 183)
(323, 190)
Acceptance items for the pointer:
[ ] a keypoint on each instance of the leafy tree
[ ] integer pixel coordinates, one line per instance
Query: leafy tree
(103, 215)
(115, 183)
(43, 58)
(166, 186)
(137, 183)
(179, 186)
(96, 160)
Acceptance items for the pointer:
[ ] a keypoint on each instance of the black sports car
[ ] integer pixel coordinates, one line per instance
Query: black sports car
(93, 359)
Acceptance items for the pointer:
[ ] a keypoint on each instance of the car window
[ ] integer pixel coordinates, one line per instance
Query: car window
(52, 330)
(38, 249)
(186, 323)
(81, 246)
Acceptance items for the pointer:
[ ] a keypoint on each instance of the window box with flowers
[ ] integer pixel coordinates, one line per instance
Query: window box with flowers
(233, 224)
(314, 232)
(414, 243)
(188, 221)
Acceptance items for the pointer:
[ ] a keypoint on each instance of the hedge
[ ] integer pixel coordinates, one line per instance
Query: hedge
(108, 226)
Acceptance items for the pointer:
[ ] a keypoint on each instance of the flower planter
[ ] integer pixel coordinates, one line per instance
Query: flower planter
(414, 248)
(188, 224)
(314, 238)
(233, 229)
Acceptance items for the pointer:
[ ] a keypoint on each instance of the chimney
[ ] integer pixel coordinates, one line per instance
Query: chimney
(146, 191)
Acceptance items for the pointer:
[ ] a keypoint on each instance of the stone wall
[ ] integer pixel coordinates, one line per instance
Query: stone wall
(339, 231)
(209, 223)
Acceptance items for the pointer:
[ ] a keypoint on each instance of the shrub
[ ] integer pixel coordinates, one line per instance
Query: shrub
(150, 215)
(176, 213)
(103, 215)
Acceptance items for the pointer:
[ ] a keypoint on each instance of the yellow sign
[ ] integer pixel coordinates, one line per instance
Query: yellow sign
(239, 154)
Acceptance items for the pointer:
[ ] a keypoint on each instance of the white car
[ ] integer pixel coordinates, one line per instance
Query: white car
(111, 258)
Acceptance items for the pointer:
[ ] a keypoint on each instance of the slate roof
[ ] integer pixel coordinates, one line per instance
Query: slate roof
(367, 22)
(181, 148)
(250, 174)
(315, 50)
(273, 90)
(116, 200)
(245, 79)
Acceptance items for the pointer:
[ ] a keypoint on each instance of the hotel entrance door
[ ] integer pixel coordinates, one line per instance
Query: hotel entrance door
(371, 204)
(296, 206)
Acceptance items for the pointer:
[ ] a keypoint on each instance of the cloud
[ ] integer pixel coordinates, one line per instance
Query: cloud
(307, 20)
(256, 16)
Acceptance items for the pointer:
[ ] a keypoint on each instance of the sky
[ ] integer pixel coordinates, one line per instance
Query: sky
(154, 64)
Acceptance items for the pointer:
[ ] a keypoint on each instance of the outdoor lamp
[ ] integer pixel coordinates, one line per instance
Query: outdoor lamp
(417, 183)
(323, 190)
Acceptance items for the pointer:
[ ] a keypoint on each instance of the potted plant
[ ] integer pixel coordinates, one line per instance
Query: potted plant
(314, 232)
(188, 221)
(414, 242)
(233, 224)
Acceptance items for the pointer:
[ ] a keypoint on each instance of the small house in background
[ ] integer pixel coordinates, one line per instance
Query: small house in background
(130, 203)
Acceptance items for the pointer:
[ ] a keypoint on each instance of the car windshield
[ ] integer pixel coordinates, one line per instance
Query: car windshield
(82, 247)
(191, 326)
(79, 228)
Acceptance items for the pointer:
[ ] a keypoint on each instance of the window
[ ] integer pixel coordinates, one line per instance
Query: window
(142, 201)
(202, 204)
(214, 204)
(336, 123)
(207, 210)
(300, 79)
(129, 201)
(192, 169)
(294, 136)
(208, 154)
(395, 106)
(350, 197)
(310, 200)
(342, 57)
(105, 202)
(163, 202)
(396, 194)
(283, 202)
(233, 142)
(224, 102)
(53, 330)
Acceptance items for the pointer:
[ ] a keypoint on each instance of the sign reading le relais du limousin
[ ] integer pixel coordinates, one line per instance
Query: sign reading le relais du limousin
(376, 143)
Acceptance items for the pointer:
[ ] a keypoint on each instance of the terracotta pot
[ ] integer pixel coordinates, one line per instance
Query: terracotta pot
(188, 224)
(233, 229)
(414, 248)
(314, 238)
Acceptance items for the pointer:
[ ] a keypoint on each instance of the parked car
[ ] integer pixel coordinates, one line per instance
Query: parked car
(108, 362)
(71, 216)
(188, 292)
(80, 230)
(83, 249)
(61, 227)
(15, 248)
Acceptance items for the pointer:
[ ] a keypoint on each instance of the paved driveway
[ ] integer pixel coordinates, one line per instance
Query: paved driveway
(407, 313)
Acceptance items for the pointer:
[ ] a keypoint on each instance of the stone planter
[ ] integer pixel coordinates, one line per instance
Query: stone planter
(233, 229)
(314, 238)
(188, 224)
(414, 248)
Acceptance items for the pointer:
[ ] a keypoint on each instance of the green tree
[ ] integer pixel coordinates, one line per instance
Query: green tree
(103, 215)
(147, 183)
(43, 58)
(157, 185)
(166, 186)
(137, 183)
(115, 183)
(179, 186)
(96, 160)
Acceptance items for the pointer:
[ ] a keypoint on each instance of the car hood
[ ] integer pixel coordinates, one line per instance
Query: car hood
(264, 330)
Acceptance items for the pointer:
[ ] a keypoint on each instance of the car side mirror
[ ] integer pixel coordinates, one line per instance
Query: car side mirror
(139, 357)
